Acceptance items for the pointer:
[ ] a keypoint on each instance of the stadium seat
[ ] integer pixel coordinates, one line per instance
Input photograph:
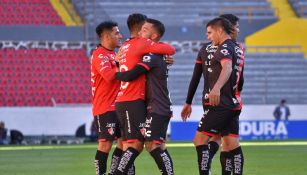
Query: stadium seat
(30, 77)
(28, 12)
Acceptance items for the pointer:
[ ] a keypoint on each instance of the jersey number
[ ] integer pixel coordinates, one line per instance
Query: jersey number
(123, 68)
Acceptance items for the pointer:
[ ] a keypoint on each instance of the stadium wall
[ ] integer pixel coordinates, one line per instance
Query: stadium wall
(42, 33)
(66, 120)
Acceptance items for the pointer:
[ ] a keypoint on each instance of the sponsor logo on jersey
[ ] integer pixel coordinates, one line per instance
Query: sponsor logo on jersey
(224, 52)
(146, 59)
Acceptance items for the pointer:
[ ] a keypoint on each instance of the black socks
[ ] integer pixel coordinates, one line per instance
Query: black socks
(101, 159)
(163, 161)
(204, 160)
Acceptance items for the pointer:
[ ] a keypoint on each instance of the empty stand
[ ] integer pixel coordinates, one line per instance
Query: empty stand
(183, 19)
(35, 77)
(172, 11)
(28, 12)
(300, 7)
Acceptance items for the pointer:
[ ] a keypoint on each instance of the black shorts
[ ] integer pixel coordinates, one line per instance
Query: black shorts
(217, 120)
(132, 116)
(156, 127)
(107, 125)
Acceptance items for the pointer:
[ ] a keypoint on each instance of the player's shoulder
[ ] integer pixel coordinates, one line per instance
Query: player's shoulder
(151, 57)
(228, 44)
(207, 48)
(100, 53)
(99, 50)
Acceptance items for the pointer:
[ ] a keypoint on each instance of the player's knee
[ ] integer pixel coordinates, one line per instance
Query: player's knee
(119, 144)
(200, 139)
(148, 146)
(216, 139)
(105, 146)
(230, 143)
(197, 141)
(151, 146)
(138, 145)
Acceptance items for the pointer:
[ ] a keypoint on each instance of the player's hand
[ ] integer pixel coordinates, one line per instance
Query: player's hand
(186, 112)
(120, 55)
(214, 97)
(169, 60)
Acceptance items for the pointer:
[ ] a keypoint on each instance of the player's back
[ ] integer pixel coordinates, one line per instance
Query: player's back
(134, 49)
(135, 89)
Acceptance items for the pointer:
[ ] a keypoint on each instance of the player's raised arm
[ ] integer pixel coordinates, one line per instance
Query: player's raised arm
(148, 62)
(149, 46)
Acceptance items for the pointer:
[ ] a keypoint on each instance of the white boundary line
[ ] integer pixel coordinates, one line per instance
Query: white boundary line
(176, 145)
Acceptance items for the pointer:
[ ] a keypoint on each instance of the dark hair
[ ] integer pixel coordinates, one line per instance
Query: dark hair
(158, 25)
(283, 101)
(105, 26)
(233, 19)
(135, 21)
(223, 23)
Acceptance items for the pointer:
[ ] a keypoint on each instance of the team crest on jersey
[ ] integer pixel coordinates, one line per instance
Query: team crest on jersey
(143, 131)
(111, 131)
(224, 52)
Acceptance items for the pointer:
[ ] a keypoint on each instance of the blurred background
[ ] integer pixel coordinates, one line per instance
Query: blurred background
(45, 71)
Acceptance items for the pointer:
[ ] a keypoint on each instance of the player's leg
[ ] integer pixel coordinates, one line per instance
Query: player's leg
(208, 127)
(231, 145)
(214, 144)
(105, 129)
(134, 115)
(155, 137)
(225, 160)
(118, 151)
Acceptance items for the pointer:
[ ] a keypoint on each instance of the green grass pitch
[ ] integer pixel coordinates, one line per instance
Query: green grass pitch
(261, 158)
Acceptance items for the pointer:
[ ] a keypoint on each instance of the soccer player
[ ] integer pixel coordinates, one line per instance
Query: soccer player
(157, 97)
(130, 102)
(104, 90)
(208, 49)
(221, 64)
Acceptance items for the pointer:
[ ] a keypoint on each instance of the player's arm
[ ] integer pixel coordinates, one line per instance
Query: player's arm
(187, 109)
(241, 81)
(148, 46)
(131, 74)
(104, 67)
(226, 62)
(148, 62)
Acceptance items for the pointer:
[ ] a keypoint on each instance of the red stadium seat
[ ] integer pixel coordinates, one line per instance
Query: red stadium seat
(28, 12)
(33, 76)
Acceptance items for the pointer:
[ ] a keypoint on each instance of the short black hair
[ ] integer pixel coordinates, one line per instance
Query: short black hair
(158, 25)
(135, 21)
(283, 101)
(223, 23)
(105, 26)
(233, 19)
